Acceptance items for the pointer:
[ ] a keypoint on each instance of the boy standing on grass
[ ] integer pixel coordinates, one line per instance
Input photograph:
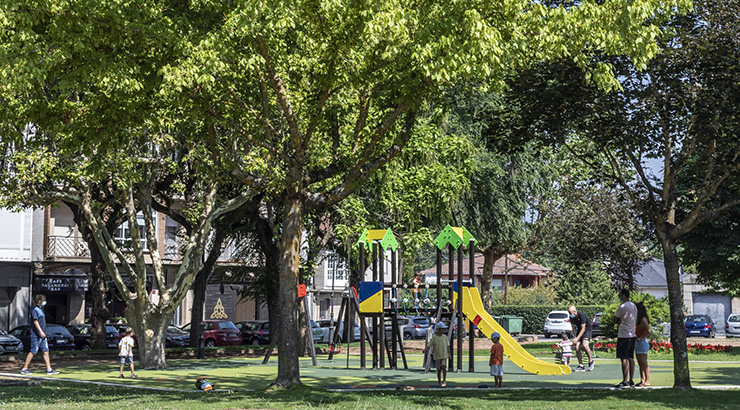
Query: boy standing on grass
(497, 360)
(126, 352)
(441, 346)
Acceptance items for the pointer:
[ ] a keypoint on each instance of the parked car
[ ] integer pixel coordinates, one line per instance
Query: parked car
(57, 336)
(316, 332)
(176, 337)
(732, 326)
(557, 322)
(412, 327)
(83, 336)
(325, 325)
(219, 333)
(596, 325)
(403, 321)
(416, 328)
(700, 325)
(254, 332)
(10, 343)
(121, 328)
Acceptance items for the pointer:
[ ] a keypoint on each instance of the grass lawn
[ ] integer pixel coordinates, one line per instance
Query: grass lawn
(247, 381)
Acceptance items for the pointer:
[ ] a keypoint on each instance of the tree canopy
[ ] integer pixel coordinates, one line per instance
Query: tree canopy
(301, 100)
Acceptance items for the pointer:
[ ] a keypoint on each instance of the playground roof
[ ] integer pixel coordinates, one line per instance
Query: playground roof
(384, 236)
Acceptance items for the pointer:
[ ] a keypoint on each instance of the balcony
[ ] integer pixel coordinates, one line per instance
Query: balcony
(67, 247)
(76, 247)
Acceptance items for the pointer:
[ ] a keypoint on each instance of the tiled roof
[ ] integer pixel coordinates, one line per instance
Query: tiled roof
(515, 264)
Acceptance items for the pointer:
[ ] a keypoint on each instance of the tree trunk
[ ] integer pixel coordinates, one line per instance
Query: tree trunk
(490, 255)
(303, 334)
(290, 247)
(196, 313)
(151, 350)
(681, 376)
(100, 313)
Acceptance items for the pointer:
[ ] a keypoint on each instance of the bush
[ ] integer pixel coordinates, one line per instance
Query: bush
(533, 317)
(657, 309)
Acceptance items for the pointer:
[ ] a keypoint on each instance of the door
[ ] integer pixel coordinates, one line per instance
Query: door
(716, 305)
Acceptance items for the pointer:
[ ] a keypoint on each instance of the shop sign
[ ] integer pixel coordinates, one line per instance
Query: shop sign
(57, 284)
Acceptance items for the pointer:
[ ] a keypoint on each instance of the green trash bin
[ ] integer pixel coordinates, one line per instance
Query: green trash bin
(512, 324)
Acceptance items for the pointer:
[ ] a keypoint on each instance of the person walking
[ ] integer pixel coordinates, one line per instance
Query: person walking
(38, 337)
(497, 360)
(642, 345)
(582, 328)
(441, 350)
(626, 317)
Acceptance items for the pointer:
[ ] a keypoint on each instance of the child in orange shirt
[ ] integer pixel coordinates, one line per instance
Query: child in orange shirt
(497, 359)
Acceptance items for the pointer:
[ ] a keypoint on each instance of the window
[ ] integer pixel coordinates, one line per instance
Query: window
(336, 270)
(122, 234)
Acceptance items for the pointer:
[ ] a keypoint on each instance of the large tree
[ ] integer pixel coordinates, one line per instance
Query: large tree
(682, 111)
(321, 93)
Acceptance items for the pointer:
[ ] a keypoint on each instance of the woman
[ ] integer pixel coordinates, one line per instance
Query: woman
(642, 331)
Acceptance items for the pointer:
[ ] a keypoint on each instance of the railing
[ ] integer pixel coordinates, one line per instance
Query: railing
(76, 247)
(67, 247)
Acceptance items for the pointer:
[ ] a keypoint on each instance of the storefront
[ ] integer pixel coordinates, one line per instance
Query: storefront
(65, 295)
(15, 288)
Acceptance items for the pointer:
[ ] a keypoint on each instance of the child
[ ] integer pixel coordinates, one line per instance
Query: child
(566, 346)
(126, 352)
(497, 360)
(441, 349)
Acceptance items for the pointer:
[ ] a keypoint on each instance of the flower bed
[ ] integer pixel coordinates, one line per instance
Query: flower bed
(656, 346)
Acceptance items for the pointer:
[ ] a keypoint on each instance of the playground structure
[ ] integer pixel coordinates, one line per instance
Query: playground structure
(380, 300)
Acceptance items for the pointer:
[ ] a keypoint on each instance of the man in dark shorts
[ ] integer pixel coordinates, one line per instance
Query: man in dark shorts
(582, 329)
(626, 317)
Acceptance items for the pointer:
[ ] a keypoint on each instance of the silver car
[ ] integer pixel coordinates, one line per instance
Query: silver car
(732, 326)
(557, 323)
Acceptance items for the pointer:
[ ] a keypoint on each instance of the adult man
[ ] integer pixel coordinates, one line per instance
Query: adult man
(38, 336)
(582, 329)
(626, 317)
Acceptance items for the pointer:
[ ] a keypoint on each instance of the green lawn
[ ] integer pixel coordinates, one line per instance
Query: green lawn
(247, 382)
(68, 396)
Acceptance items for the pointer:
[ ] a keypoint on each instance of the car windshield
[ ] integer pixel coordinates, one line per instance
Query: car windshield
(423, 322)
(557, 315)
(696, 319)
(173, 329)
(226, 325)
(249, 326)
(56, 329)
(111, 329)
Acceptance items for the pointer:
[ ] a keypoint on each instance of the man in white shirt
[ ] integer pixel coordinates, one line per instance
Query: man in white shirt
(626, 317)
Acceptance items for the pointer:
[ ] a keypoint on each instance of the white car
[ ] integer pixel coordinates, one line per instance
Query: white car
(732, 326)
(557, 322)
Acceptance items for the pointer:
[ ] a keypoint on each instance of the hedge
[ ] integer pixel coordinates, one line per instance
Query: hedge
(533, 317)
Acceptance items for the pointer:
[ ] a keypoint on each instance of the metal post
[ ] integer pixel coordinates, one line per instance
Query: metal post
(375, 318)
(202, 337)
(381, 327)
(506, 276)
(362, 321)
(459, 305)
(471, 334)
(451, 277)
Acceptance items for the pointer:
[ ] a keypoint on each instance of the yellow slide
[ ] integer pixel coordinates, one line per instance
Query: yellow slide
(473, 310)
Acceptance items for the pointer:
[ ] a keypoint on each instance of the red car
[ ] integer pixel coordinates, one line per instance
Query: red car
(219, 333)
